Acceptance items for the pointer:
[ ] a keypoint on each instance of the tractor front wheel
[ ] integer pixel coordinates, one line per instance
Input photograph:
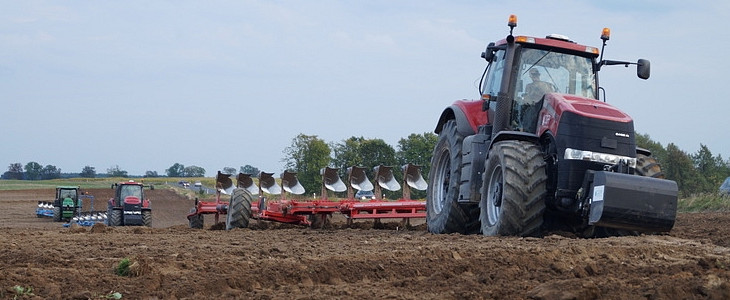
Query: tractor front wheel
(514, 190)
(115, 218)
(239, 209)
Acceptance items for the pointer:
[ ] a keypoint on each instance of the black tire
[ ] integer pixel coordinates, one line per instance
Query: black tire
(319, 221)
(147, 218)
(513, 190)
(648, 166)
(196, 221)
(239, 209)
(443, 212)
(115, 219)
(56, 214)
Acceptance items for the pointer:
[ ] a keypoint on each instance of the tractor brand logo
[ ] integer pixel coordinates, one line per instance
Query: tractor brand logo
(131, 212)
(621, 134)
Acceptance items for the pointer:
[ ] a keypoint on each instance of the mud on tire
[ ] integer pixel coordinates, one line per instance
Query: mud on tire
(514, 190)
(443, 212)
(239, 209)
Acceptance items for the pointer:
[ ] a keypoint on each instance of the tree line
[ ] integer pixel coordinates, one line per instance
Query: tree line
(34, 171)
(695, 173)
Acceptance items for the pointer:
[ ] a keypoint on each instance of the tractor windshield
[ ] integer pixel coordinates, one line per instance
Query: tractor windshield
(544, 71)
(131, 190)
(68, 194)
(538, 72)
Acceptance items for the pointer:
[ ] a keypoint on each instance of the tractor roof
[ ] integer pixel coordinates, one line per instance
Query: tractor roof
(130, 182)
(554, 41)
(68, 187)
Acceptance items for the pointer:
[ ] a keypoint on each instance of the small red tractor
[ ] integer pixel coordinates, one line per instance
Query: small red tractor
(129, 205)
(541, 151)
(311, 212)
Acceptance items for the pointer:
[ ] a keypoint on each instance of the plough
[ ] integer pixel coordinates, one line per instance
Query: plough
(242, 207)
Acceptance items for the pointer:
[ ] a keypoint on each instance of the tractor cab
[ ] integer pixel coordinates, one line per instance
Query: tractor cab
(129, 205)
(523, 69)
(130, 193)
(67, 203)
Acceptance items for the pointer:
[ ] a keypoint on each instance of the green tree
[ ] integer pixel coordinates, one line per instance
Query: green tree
(88, 172)
(710, 167)
(680, 168)
(115, 171)
(249, 169)
(347, 154)
(229, 170)
(151, 174)
(417, 149)
(50, 172)
(376, 152)
(33, 171)
(307, 155)
(193, 171)
(175, 170)
(15, 171)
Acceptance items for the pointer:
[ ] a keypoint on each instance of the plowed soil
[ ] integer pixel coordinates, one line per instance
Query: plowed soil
(273, 261)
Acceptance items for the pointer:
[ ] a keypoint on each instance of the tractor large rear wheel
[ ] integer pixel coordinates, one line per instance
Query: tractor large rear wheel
(239, 209)
(147, 218)
(443, 212)
(514, 190)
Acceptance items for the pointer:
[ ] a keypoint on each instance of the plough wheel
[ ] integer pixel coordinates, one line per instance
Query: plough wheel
(147, 218)
(319, 221)
(239, 209)
(196, 221)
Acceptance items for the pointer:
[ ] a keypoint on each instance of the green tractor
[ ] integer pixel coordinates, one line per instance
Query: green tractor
(67, 203)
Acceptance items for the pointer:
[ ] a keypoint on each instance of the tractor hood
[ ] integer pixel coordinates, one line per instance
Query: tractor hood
(556, 105)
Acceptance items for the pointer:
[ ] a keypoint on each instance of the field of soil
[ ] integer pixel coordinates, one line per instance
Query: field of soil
(273, 261)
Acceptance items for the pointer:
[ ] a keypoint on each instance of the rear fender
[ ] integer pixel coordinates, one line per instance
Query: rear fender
(468, 115)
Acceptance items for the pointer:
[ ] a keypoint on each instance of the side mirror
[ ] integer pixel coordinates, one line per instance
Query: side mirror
(488, 54)
(643, 68)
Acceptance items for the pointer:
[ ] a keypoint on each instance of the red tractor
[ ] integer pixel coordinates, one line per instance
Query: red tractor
(541, 151)
(129, 205)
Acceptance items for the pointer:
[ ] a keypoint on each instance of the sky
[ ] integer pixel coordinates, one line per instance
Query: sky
(143, 85)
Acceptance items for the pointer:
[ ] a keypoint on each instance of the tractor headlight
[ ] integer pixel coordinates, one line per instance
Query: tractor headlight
(604, 158)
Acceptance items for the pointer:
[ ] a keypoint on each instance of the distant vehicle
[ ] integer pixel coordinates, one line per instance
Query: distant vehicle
(198, 184)
(184, 183)
(725, 187)
(365, 195)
